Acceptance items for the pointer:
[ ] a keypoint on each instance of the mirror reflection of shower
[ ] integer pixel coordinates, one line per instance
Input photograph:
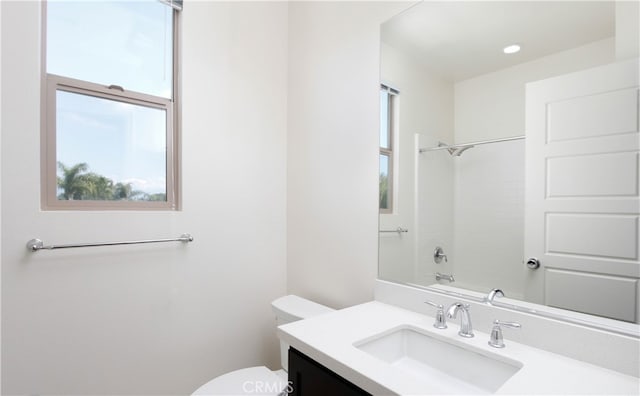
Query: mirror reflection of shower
(459, 90)
(479, 194)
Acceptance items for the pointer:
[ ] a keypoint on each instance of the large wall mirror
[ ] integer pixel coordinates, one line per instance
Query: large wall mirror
(509, 152)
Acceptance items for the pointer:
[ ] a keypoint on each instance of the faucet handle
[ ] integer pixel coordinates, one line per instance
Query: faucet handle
(441, 321)
(438, 255)
(496, 340)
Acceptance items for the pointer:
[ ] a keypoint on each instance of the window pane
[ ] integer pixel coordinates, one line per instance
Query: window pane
(384, 181)
(123, 43)
(108, 150)
(384, 119)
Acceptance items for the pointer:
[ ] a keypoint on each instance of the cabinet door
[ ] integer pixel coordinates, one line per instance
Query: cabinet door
(309, 378)
(582, 184)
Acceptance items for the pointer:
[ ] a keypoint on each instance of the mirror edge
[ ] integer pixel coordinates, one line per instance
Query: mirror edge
(591, 321)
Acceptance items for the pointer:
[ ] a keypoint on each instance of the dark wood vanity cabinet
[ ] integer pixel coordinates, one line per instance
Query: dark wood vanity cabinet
(309, 378)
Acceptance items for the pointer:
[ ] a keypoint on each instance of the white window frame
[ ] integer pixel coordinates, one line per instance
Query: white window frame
(390, 151)
(52, 83)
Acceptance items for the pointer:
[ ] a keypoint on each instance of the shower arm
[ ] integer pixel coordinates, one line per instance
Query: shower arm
(454, 147)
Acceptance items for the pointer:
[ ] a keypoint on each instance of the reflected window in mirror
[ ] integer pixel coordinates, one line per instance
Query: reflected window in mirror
(388, 109)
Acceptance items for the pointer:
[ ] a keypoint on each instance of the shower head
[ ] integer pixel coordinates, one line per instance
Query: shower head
(454, 151)
(457, 151)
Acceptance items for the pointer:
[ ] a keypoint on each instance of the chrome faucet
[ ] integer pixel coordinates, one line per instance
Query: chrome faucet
(449, 278)
(493, 294)
(466, 330)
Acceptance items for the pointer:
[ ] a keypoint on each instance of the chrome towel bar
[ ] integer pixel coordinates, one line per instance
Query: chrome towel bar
(36, 244)
(399, 230)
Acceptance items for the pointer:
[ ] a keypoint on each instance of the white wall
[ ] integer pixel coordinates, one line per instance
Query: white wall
(492, 105)
(157, 319)
(434, 211)
(396, 251)
(489, 184)
(489, 218)
(0, 193)
(332, 191)
(425, 114)
(627, 29)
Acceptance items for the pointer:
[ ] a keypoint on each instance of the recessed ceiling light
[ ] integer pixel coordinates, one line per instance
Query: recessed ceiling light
(511, 49)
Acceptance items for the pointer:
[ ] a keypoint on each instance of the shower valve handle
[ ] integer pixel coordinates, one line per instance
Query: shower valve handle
(438, 255)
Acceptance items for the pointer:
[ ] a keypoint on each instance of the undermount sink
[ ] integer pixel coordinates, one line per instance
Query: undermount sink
(451, 367)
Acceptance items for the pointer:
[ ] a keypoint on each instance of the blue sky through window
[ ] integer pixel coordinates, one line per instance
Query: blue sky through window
(384, 118)
(129, 44)
(124, 142)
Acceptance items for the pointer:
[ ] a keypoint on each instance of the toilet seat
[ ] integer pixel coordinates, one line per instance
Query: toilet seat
(257, 381)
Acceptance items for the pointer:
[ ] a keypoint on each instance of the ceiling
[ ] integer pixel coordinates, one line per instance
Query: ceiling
(462, 39)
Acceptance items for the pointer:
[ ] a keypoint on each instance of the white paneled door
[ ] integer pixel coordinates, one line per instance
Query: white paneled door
(582, 185)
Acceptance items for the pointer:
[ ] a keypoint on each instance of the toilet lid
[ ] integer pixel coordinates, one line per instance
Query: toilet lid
(249, 381)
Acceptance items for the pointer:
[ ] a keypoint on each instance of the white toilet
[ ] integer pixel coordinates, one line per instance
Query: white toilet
(260, 380)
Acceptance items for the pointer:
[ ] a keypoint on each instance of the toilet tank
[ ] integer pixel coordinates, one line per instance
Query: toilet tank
(289, 309)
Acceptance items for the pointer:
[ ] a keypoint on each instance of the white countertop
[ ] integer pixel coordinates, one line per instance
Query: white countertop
(329, 339)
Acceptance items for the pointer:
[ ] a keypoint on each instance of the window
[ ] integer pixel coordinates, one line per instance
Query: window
(110, 106)
(388, 98)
